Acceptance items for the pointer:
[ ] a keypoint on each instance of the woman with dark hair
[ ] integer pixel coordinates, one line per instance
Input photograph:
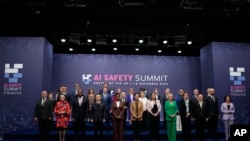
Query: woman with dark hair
(91, 100)
(228, 109)
(154, 108)
(136, 109)
(62, 111)
(117, 109)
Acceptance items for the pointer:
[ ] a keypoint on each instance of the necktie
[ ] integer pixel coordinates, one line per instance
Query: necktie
(200, 104)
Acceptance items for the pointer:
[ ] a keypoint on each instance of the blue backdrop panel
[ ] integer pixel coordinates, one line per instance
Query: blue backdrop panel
(229, 65)
(25, 63)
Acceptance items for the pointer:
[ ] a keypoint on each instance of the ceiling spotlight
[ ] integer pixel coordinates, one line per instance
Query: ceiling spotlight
(189, 42)
(159, 51)
(115, 48)
(63, 40)
(71, 49)
(93, 49)
(141, 41)
(179, 51)
(89, 40)
(114, 40)
(137, 49)
(164, 42)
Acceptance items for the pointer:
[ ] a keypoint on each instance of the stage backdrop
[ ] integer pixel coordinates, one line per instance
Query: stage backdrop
(126, 71)
(25, 70)
(225, 66)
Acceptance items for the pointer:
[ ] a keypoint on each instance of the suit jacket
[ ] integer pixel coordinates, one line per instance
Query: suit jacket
(129, 98)
(45, 111)
(67, 98)
(163, 100)
(98, 112)
(198, 112)
(126, 103)
(133, 110)
(228, 114)
(183, 108)
(107, 101)
(117, 112)
(213, 106)
(79, 111)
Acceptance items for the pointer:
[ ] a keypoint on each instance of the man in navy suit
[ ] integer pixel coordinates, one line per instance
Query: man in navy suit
(105, 85)
(213, 113)
(43, 114)
(79, 112)
(106, 99)
(130, 98)
(63, 90)
(75, 91)
(98, 114)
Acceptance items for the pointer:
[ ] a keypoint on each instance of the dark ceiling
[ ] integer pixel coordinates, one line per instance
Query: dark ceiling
(196, 20)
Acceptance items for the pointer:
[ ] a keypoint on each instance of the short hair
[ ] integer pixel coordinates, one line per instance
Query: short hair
(225, 97)
(136, 93)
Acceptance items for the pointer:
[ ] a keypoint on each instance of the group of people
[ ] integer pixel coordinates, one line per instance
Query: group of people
(111, 111)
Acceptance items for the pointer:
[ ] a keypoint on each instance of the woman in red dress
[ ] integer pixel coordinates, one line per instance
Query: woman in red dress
(62, 111)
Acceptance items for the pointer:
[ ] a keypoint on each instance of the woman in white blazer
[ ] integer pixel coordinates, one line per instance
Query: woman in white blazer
(228, 109)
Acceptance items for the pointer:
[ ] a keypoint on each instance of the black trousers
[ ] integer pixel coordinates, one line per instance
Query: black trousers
(44, 129)
(200, 125)
(125, 119)
(79, 129)
(98, 130)
(145, 120)
(186, 128)
(136, 125)
(154, 125)
(212, 127)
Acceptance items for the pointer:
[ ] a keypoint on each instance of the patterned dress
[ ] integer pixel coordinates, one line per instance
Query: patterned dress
(62, 119)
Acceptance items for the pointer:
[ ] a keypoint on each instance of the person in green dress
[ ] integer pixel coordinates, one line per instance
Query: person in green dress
(171, 110)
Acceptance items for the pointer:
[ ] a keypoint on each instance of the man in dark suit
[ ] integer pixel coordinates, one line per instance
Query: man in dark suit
(130, 98)
(124, 100)
(74, 92)
(213, 113)
(200, 116)
(186, 105)
(106, 99)
(98, 114)
(63, 90)
(43, 114)
(105, 85)
(79, 112)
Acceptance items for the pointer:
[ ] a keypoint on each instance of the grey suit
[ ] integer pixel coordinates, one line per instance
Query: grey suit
(228, 117)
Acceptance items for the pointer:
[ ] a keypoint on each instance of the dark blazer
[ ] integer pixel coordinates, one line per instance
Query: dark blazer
(79, 112)
(200, 113)
(107, 101)
(98, 112)
(43, 112)
(67, 98)
(183, 108)
(213, 106)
